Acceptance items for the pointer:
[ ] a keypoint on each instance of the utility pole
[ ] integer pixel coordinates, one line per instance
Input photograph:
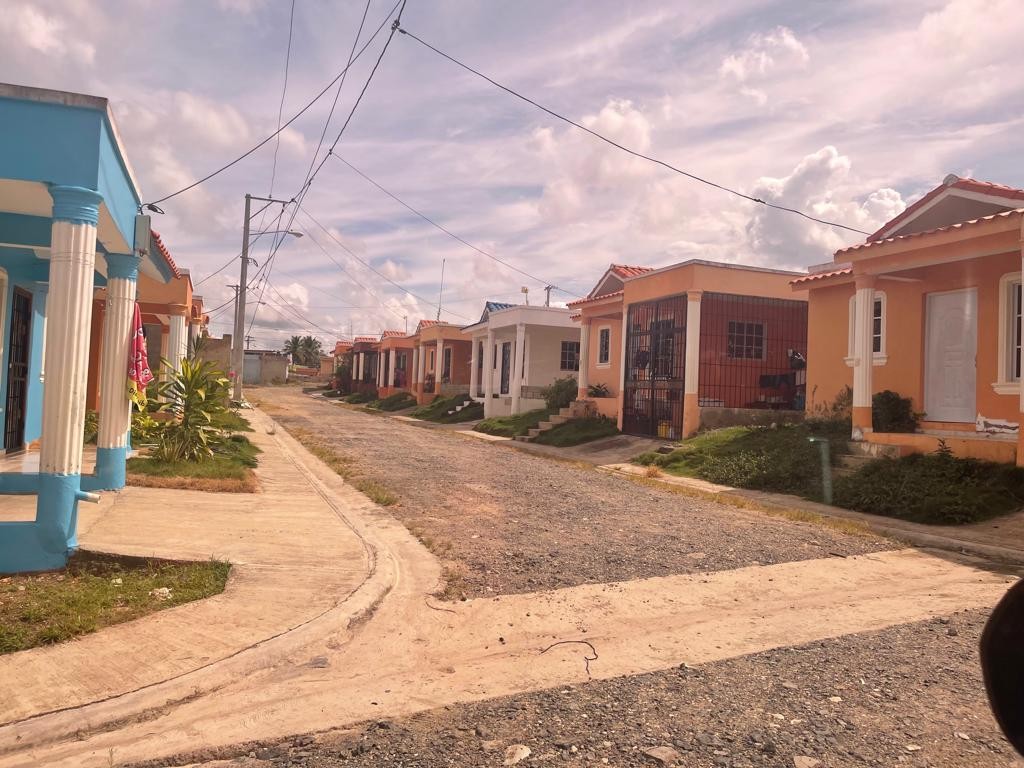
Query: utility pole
(406, 319)
(440, 293)
(238, 351)
(248, 342)
(547, 295)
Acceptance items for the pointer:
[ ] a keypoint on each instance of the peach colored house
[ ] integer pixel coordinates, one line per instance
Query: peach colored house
(929, 306)
(365, 358)
(703, 344)
(394, 374)
(440, 360)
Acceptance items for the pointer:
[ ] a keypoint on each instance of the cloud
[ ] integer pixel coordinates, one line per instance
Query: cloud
(765, 53)
(820, 184)
(215, 123)
(44, 34)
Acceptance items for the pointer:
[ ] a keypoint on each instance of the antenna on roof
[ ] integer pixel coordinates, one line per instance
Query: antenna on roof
(526, 292)
(440, 293)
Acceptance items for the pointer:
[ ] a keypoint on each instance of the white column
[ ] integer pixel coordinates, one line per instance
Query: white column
(357, 367)
(391, 367)
(423, 363)
(516, 384)
(177, 336)
(439, 365)
(863, 311)
(115, 407)
(69, 310)
(474, 357)
(488, 373)
(380, 368)
(691, 374)
(583, 377)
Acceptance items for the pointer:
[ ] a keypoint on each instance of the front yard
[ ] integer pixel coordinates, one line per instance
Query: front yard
(97, 591)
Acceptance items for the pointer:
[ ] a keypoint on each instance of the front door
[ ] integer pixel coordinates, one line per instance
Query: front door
(506, 364)
(17, 370)
(951, 346)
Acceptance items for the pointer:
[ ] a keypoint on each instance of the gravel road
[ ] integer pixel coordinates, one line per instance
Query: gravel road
(909, 696)
(505, 521)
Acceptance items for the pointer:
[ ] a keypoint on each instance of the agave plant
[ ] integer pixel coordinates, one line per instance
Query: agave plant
(194, 396)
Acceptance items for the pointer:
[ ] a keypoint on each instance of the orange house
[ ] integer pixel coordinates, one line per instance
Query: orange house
(394, 374)
(440, 360)
(667, 351)
(365, 358)
(929, 306)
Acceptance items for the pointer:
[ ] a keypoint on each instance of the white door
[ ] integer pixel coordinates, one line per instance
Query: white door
(952, 343)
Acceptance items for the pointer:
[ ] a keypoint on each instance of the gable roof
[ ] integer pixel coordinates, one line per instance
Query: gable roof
(364, 340)
(493, 306)
(388, 333)
(613, 278)
(980, 198)
(427, 324)
(166, 254)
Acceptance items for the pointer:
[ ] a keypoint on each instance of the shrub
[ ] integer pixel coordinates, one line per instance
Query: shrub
(892, 413)
(395, 402)
(91, 429)
(841, 408)
(359, 398)
(933, 488)
(194, 396)
(598, 390)
(560, 393)
(145, 429)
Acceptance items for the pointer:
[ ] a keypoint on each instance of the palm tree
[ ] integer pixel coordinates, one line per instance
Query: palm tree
(293, 347)
(312, 350)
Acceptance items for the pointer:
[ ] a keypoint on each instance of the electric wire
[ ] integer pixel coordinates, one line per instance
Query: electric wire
(291, 120)
(626, 149)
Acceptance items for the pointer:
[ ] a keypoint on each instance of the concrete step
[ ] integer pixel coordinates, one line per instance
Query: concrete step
(559, 419)
(841, 471)
(545, 425)
(875, 450)
(533, 432)
(523, 438)
(854, 461)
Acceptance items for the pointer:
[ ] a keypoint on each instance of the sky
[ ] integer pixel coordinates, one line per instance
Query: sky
(848, 111)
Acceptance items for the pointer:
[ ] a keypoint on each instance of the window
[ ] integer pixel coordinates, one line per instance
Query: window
(877, 329)
(433, 356)
(604, 346)
(400, 361)
(745, 340)
(570, 358)
(1010, 306)
(480, 356)
(446, 364)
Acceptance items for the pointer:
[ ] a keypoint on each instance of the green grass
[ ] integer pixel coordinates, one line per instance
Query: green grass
(228, 470)
(360, 398)
(577, 432)
(510, 426)
(396, 402)
(96, 591)
(934, 488)
(437, 409)
(472, 412)
(779, 459)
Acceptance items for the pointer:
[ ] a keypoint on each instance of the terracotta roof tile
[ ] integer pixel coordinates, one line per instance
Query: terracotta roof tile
(624, 270)
(364, 340)
(388, 333)
(164, 252)
(822, 275)
(948, 228)
(950, 182)
(589, 299)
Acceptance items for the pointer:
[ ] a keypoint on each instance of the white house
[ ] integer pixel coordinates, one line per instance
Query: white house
(517, 352)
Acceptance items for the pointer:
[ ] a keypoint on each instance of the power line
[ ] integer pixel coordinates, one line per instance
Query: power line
(373, 269)
(615, 144)
(238, 255)
(448, 232)
(291, 120)
(284, 91)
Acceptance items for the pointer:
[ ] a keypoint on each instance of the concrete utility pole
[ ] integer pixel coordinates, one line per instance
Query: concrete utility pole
(547, 295)
(237, 342)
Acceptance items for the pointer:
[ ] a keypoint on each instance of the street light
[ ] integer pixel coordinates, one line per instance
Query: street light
(238, 341)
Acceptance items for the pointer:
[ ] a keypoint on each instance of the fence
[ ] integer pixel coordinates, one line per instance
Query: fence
(753, 352)
(654, 368)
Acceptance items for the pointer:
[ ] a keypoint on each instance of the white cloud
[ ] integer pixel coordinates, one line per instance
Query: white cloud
(216, 123)
(44, 34)
(765, 53)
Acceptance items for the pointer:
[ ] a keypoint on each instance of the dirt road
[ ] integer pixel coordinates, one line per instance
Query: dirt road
(507, 521)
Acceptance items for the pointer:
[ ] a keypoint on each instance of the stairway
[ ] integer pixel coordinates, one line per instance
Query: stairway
(577, 409)
(862, 453)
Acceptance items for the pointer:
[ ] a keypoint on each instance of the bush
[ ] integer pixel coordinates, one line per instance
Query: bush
(438, 408)
(598, 390)
(892, 413)
(91, 430)
(560, 393)
(395, 402)
(145, 429)
(471, 412)
(933, 488)
(359, 398)
(195, 396)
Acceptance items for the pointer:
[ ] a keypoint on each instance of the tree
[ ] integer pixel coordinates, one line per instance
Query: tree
(293, 347)
(312, 350)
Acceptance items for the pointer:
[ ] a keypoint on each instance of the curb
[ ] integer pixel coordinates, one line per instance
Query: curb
(777, 502)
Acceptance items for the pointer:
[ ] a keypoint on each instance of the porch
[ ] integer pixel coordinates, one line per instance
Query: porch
(68, 225)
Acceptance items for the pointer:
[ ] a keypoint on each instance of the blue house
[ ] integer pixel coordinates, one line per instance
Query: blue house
(69, 218)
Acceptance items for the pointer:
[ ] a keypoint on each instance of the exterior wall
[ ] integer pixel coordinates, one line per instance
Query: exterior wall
(217, 351)
(707, 277)
(610, 373)
(903, 368)
(986, 449)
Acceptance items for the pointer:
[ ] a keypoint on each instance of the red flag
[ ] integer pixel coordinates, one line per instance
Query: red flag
(139, 375)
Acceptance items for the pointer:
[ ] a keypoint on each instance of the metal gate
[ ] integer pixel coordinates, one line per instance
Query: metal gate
(17, 370)
(655, 367)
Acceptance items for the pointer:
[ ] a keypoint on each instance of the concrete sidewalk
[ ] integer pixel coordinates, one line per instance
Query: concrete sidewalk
(1000, 539)
(294, 558)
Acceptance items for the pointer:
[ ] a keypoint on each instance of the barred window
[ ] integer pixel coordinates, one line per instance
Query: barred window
(604, 345)
(570, 358)
(745, 340)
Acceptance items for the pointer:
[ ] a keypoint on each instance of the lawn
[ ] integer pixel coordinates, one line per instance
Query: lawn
(510, 426)
(780, 459)
(577, 432)
(437, 410)
(229, 470)
(97, 591)
(396, 402)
